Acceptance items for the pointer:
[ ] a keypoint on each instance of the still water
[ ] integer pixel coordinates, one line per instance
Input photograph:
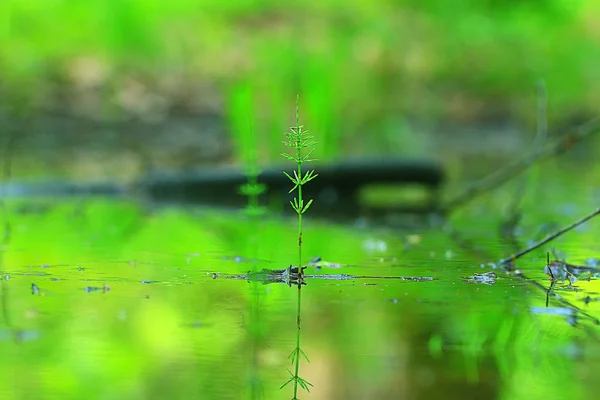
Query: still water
(112, 299)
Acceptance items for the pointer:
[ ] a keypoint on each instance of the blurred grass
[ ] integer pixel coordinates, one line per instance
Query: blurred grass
(361, 66)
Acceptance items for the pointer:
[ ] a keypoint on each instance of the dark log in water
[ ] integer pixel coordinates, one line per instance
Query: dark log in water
(335, 189)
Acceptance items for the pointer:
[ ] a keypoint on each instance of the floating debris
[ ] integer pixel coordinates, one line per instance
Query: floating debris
(34, 289)
(346, 277)
(561, 270)
(289, 276)
(319, 263)
(487, 278)
(89, 289)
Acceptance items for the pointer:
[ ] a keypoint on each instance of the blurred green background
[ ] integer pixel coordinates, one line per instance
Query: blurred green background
(126, 305)
(374, 76)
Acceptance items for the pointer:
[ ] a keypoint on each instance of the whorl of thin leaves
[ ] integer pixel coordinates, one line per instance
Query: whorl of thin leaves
(304, 384)
(299, 206)
(297, 181)
(297, 352)
(298, 138)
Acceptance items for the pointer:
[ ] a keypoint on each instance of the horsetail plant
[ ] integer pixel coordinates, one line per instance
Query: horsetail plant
(299, 139)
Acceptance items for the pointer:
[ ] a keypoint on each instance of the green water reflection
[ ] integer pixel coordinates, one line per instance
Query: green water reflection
(163, 324)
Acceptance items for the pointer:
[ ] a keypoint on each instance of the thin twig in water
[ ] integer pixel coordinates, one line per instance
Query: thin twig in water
(514, 214)
(499, 177)
(561, 300)
(547, 291)
(510, 259)
(552, 279)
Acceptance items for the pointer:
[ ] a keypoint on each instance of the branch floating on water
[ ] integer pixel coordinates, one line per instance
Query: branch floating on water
(552, 236)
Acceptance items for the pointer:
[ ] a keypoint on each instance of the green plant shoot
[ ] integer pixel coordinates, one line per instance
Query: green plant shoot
(299, 139)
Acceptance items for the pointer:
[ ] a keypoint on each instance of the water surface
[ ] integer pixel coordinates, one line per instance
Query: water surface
(111, 299)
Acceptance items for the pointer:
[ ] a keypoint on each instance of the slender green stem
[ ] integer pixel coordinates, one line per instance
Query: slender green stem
(298, 158)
